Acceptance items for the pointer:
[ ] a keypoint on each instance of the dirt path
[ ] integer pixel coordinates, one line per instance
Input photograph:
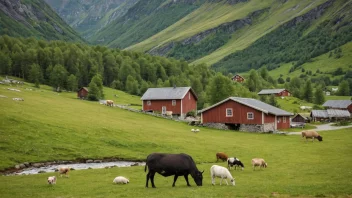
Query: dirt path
(323, 127)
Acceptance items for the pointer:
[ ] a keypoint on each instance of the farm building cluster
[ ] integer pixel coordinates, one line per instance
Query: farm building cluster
(235, 113)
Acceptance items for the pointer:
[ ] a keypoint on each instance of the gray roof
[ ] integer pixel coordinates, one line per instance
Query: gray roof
(270, 91)
(255, 104)
(319, 113)
(337, 103)
(166, 93)
(300, 115)
(330, 113)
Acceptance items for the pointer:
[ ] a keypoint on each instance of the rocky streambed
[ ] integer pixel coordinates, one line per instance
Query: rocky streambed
(46, 167)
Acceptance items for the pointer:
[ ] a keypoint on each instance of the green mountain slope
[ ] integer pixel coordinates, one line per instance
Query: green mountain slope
(307, 36)
(218, 33)
(143, 20)
(34, 18)
(87, 17)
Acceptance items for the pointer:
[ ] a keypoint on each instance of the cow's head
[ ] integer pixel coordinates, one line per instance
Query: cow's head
(320, 138)
(198, 178)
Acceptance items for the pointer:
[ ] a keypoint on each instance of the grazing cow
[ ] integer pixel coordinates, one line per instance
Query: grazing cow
(311, 135)
(110, 103)
(121, 180)
(222, 172)
(52, 180)
(64, 170)
(259, 162)
(172, 164)
(222, 156)
(233, 161)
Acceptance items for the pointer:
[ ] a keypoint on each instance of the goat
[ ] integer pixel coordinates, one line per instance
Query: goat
(259, 162)
(52, 180)
(222, 172)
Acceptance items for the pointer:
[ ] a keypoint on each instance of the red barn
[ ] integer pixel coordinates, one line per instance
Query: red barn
(276, 92)
(237, 78)
(246, 114)
(179, 100)
(82, 93)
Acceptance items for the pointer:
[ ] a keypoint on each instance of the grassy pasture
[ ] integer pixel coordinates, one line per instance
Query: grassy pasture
(47, 126)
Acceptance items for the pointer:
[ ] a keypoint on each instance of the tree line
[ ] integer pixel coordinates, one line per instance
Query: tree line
(69, 66)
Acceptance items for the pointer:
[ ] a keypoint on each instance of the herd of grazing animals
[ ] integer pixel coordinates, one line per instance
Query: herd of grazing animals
(183, 165)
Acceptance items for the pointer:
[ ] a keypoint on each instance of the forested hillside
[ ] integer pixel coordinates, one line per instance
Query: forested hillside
(295, 41)
(143, 20)
(87, 17)
(34, 18)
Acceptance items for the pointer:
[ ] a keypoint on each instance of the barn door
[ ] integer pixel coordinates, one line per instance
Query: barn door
(163, 110)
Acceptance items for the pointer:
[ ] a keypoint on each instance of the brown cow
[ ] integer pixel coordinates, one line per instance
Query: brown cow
(110, 103)
(222, 156)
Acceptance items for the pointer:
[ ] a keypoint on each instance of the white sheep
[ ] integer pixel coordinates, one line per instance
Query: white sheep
(259, 162)
(197, 130)
(193, 130)
(52, 180)
(121, 180)
(222, 172)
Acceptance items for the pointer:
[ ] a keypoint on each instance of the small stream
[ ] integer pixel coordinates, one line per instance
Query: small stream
(76, 166)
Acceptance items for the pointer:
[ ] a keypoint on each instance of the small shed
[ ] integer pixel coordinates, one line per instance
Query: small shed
(299, 118)
(276, 92)
(82, 93)
(238, 78)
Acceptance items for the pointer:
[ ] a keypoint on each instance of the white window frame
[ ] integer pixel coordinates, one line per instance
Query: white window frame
(227, 115)
(189, 95)
(284, 119)
(250, 113)
(173, 102)
(149, 102)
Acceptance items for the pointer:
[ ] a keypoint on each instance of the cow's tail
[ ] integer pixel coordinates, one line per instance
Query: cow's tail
(145, 168)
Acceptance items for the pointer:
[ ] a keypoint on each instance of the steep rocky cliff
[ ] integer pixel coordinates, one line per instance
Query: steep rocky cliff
(89, 16)
(33, 18)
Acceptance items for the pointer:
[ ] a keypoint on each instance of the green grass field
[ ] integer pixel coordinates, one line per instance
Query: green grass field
(47, 126)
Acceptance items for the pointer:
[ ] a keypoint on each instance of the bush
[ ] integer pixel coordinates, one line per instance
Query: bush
(191, 113)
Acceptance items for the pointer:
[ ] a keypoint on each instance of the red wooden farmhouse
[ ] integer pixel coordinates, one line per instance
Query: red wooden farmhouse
(276, 92)
(246, 114)
(179, 100)
(237, 78)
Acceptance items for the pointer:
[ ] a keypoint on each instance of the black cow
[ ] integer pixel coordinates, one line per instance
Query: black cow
(172, 164)
(233, 161)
